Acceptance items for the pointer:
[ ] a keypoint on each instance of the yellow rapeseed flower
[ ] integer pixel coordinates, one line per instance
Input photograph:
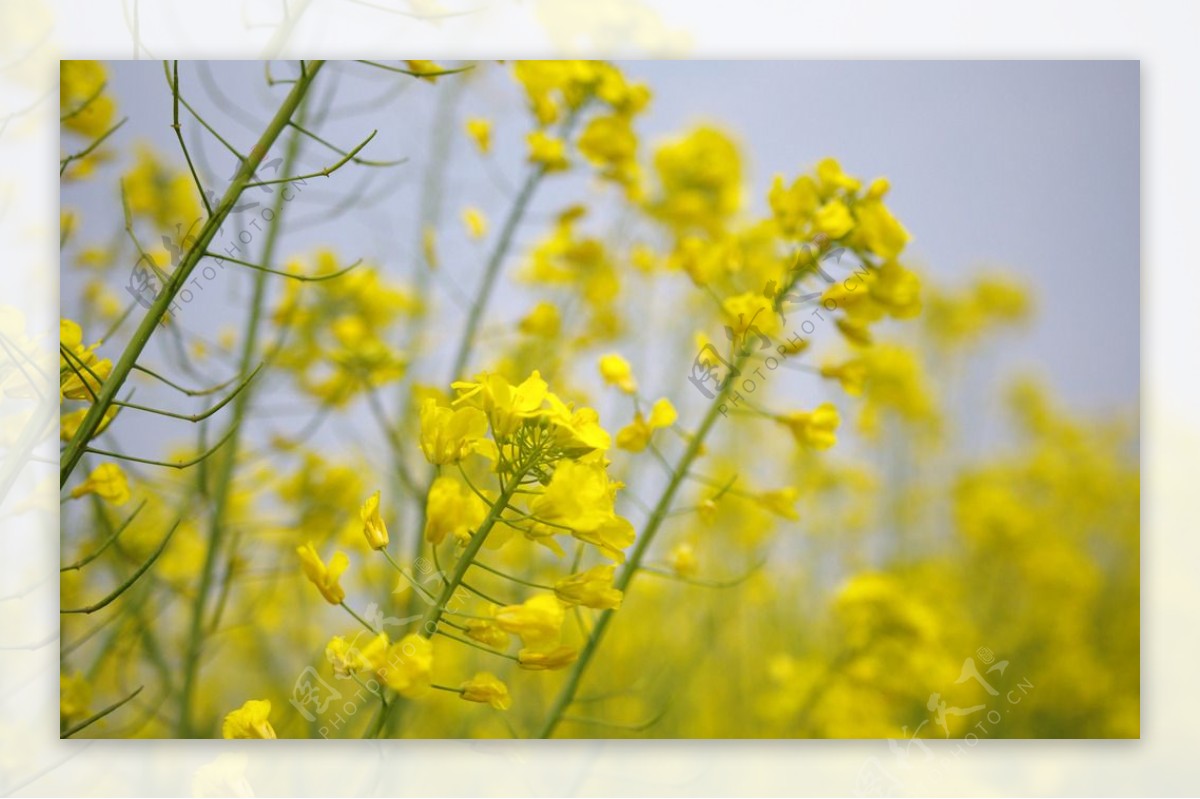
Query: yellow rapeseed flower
(373, 527)
(557, 658)
(616, 371)
(325, 578)
(592, 588)
(480, 131)
(249, 721)
(408, 665)
(537, 621)
(815, 429)
(486, 688)
(106, 481)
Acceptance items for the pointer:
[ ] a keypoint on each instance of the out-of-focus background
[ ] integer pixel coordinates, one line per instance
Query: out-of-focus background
(986, 476)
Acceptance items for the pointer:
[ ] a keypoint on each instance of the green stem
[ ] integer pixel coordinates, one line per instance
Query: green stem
(158, 309)
(429, 624)
(657, 517)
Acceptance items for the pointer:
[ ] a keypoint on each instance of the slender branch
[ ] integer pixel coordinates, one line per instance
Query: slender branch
(435, 73)
(321, 173)
(173, 79)
(280, 272)
(199, 416)
(158, 308)
(657, 517)
(67, 733)
(84, 153)
(79, 564)
(340, 151)
(133, 578)
(178, 465)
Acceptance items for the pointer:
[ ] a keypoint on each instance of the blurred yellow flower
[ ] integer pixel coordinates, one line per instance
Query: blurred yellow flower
(480, 131)
(249, 721)
(815, 429)
(558, 658)
(537, 621)
(616, 371)
(408, 665)
(592, 588)
(546, 151)
(635, 436)
(476, 222)
(106, 481)
(486, 688)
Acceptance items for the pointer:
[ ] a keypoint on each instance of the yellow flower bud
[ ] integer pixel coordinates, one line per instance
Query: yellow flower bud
(373, 527)
(486, 688)
(558, 658)
(592, 588)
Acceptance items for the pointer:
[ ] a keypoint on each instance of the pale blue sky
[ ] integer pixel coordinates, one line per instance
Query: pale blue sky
(1032, 167)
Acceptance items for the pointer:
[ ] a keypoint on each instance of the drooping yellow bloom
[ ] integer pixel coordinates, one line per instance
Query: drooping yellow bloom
(537, 621)
(106, 481)
(558, 658)
(373, 527)
(476, 222)
(249, 721)
(636, 435)
(451, 509)
(616, 371)
(480, 131)
(486, 632)
(815, 429)
(450, 434)
(347, 657)
(486, 688)
(592, 588)
(323, 577)
(408, 665)
(547, 151)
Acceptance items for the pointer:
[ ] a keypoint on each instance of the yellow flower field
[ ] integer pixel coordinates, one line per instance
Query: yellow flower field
(600, 435)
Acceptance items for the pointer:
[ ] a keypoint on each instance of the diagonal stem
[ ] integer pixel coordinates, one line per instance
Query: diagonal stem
(158, 308)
